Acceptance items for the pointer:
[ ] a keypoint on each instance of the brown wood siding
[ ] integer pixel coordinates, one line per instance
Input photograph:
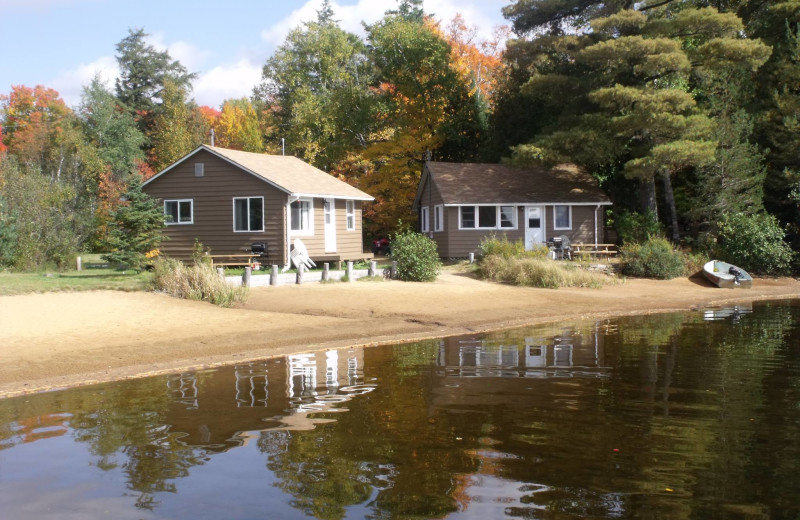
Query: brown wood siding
(348, 243)
(460, 243)
(212, 196)
(430, 198)
(582, 224)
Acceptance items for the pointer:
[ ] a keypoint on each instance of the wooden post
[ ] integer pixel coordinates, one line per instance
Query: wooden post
(393, 272)
(349, 271)
(300, 269)
(372, 265)
(273, 275)
(78, 262)
(472, 258)
(325, 273)
(246, 276)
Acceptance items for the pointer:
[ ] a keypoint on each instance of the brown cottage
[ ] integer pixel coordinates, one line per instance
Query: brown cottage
(228, 200)
(459, 204)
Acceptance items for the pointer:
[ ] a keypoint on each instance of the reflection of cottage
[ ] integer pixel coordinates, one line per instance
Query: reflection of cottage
(229, 200)
(459, 204)
(538, 357)
(217, 409)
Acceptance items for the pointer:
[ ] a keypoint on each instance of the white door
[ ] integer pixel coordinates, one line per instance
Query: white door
(330, 225)
(534, 226)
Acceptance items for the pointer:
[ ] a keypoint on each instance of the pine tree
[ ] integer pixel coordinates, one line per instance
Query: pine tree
(135, 228)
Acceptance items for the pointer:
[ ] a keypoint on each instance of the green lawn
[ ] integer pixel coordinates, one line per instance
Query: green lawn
(95, 275)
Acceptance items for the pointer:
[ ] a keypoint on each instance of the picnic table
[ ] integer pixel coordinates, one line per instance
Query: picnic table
(600, 250)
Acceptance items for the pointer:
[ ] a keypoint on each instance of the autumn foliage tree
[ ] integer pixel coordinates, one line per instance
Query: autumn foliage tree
(237, 126)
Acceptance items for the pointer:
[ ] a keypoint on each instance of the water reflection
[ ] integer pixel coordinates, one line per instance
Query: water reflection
(668, 416)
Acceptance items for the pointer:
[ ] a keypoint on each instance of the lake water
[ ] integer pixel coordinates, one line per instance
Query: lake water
(683, 415)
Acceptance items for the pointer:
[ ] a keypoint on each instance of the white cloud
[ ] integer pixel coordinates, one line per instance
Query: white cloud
(189, 55)
(225, 82)
(485, 14)
(70, 83)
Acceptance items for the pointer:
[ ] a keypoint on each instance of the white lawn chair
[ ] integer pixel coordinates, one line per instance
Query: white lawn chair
(299, 255)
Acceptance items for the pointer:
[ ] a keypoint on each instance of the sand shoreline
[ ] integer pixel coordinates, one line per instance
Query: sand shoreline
(58, 340)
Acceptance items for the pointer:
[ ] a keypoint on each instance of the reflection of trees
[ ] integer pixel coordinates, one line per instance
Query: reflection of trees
(317, 470)
(390, 445)
(692, 395)
(125, 426)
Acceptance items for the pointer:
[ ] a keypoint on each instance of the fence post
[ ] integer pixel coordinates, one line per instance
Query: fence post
(300, 269)
(349, 271)
(325, 273)
(273, 275)
(372, 265)
(393, 272)
(246, 276)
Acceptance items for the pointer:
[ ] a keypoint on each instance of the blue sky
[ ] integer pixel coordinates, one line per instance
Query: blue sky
(62, 44)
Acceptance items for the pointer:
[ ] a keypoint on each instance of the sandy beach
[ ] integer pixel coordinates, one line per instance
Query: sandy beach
(57, 340)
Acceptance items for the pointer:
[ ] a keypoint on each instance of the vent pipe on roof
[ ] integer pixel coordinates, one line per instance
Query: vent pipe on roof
(212, 137)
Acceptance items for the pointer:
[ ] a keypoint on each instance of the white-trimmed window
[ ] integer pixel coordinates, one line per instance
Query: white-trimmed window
(562, 217)
(438, 218)
(487, 217)
(424, 219)
(302, 217)
(248, 214)
(178, 211)
(350, 211)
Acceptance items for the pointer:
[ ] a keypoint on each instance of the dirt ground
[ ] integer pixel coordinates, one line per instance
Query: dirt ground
(56, 340)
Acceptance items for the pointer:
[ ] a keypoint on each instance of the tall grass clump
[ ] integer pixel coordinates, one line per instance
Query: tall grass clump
(197, 282)
(653, 258)
(538, 272)
(494, 246)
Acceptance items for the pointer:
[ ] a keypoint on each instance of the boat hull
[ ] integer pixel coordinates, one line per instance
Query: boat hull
(718, 273)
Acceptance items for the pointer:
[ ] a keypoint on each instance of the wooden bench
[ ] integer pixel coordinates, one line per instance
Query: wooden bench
(600, 250)
(235, 260)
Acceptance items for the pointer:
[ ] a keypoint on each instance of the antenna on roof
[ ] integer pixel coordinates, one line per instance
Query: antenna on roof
(212, 137)
(283, 146)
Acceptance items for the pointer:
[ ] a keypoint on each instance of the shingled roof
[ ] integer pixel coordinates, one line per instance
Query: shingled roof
(475, 183)
(289, 174)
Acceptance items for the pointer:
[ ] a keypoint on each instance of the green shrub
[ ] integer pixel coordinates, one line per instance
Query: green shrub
(491, 245)
(754, 243)
(538, 272)
(654, 258)
(416, 256)
(197, 282)
(636, 228)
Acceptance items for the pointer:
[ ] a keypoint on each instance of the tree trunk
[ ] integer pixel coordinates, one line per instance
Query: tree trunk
(669, 198)
(647, 196)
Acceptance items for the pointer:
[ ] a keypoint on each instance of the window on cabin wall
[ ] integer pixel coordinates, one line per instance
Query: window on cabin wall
(301, 215)
(438, 218)
(487, 217)
(248, 214)
(562, 217)
(350, 210)
(179, 211)
(424, 219)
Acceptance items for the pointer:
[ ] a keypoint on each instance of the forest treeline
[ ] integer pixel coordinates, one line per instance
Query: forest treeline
(688, 110)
